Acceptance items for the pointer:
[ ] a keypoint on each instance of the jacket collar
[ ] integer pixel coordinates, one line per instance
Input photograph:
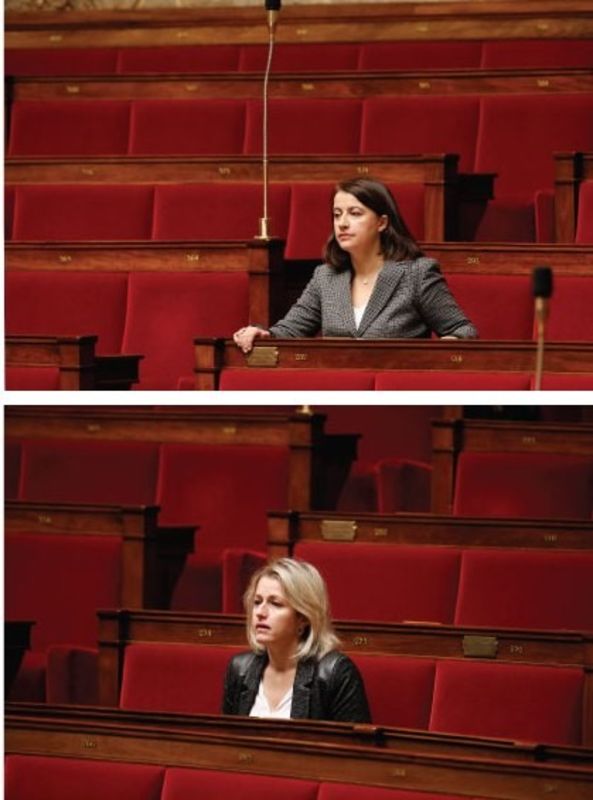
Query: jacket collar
(301, 690)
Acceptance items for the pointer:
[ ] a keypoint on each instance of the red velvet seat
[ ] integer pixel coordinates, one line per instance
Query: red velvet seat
(409, 706)
(62, 61)
(534, 53)
(500, 306)
(71, 471)
(393, 583)
(565, 381)
(584, 231)
(311, 216)
(175, 58)
(217, 211)
(82, 212)
(293, 379)
(403, 485)
(419, 55)
(174, 677)
(46, 778)
(450, 380)
(167, 310)
(526, 589)
(313, 57)
(570, 309)
(385, 132)
(523, 485)
(181, 784)
(346, 791)
(32, 378)
(513, 701)
(70, 127)
(187, 127)
(49, 303)
(305, 126)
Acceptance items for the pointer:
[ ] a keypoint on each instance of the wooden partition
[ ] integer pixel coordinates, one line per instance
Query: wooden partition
(452, 436)
(309, 23)
(318, 462)
(214, 355)
(74, 356)
(152, 555)
(570, 170)
(511, 259)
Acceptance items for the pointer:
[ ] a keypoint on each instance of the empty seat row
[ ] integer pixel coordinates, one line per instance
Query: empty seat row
(328, 56)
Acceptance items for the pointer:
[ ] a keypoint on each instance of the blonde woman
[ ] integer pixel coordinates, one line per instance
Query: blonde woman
(293, 669)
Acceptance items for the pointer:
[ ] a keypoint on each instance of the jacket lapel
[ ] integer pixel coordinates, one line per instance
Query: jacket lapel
(343, 301)
(251, 683)
(301, 690)
(386, 284)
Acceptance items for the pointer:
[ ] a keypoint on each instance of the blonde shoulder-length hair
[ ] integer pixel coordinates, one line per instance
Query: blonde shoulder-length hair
(306, 592)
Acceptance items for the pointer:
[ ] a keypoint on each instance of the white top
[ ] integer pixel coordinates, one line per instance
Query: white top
(358, 312)
(261, 707)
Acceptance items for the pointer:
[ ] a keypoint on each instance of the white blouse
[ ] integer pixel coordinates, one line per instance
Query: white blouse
(261, 707)
(358, 313)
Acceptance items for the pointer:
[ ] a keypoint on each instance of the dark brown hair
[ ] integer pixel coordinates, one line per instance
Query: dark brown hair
(397, 243)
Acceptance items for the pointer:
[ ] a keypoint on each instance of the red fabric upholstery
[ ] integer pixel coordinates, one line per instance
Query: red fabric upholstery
(456, 132)
(49, 303)
(515, 701)
(182, 784)
(29, 683)
(419, 55)
(80, 212)
(305, 126)
(72, 471)
(526, 589)
(217, 211)
(63, 61)
(409, 705)
(237, 568)
(545, 223)
(167, 310)
(565, 381)
(570, 309)
(346, 791)
(12, 468)
(186, 58)
(497, 53)
(44, 778)
(70, 127)
(311, 216)
(200, 584)
(87, 570)
(500, 306)
(506, 219)
(174, 677)
(314, 57)
(288, 379)
(33, 378)
(8, 211)
(187, 127)
(403, 485)
(523, 485)
(359, 492)
(450, 380)
(584, 231)
(72, 675)
(393, 583)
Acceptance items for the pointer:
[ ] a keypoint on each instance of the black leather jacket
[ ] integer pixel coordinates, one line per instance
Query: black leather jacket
(328, 689)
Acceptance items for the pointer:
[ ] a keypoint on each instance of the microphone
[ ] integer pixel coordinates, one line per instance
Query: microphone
(272, 7)
(542, 291)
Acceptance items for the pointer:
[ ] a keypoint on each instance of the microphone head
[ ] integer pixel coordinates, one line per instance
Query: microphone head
(273, 5)
(542, 282)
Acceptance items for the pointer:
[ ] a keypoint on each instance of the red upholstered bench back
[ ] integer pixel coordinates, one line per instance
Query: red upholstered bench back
(172, 58)
(419, 55)
(584, 232)
(500, 306)
(523, 485)
(345, 791)
(12, 467)
(292, 379)
(73, 779)
(533, 53)
(48, 303)
(391, 583)
(403, 485)
(175, 677)
(314, 57)
(526, 589)
(182, 784)
(60, 61)
(570, 316)
(60, 582)
(514, 701)
(73, 471)
(32, 378)
(450, 380)
(8, 211)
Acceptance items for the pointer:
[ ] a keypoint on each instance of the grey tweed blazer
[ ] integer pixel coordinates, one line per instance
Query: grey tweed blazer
(410, 300)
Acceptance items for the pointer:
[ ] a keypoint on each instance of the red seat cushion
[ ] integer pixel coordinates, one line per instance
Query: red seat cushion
(514, 701)
(70, 127)
(533, 53)
(187, 127)
(566, 381)
(526, 589)
(313, 57)
(181, 784)
(184, 678)
(450, 380)
(167, 310)
(175, 58)
(49, 303)
(289, 379)
(33, 378)
(60, 61)
(305, 126)
(419, 55)
(82, 212)
(500, 306)
(395, 583)
(570, 309)
(523, 485)
(584, 231)
(33, 777)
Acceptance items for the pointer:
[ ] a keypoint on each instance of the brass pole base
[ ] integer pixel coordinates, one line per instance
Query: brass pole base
(264, 223)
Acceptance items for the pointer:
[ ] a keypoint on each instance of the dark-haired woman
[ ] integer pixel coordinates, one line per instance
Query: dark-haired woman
(375, 282)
